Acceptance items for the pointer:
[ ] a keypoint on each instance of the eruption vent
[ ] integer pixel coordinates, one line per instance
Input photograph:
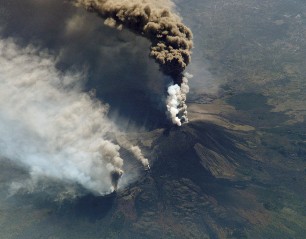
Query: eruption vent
(171, 39)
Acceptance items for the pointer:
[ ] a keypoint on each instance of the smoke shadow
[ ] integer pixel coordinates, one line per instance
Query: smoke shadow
(116, 64)
(89, 207)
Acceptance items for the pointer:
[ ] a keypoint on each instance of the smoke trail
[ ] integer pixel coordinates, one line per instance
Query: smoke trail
(135, 150)
(171, 39)
(49, 126)
(138, 154)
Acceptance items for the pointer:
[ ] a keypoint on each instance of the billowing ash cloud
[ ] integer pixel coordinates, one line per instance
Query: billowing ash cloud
(171, 39)
(50, 127)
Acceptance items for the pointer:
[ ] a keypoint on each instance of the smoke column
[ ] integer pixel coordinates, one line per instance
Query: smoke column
(171, 39)
(176, 101)
(50, 127)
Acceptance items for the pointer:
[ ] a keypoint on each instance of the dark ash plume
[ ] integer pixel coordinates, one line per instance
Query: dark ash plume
(171, 39)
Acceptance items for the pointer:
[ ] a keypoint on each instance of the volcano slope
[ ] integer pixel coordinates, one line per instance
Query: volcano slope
(206, 181)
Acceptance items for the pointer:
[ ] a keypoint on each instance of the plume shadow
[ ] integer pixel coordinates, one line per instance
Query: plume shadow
(116, 63)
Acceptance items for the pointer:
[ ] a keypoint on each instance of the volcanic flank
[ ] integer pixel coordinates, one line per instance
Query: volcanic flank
(171, 40)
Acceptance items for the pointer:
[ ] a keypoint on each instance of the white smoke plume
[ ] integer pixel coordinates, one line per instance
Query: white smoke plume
(171, 40)
(176, 101)
(52, 128)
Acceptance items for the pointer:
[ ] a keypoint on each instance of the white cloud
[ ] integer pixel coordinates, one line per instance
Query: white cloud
(48, 125)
